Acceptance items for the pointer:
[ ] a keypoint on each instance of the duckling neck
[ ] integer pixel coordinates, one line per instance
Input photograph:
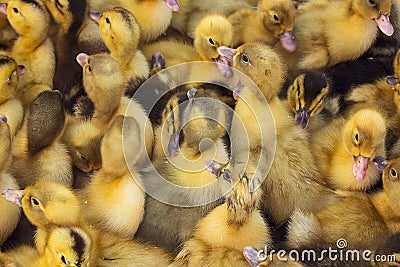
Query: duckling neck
(29, 43)
(238, 216)
(386, 205)
(123, 54)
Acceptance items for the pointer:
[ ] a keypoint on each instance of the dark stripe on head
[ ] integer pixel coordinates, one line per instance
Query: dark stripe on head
(4, 60)
(126, 16)
(34, 3)
(79, 245)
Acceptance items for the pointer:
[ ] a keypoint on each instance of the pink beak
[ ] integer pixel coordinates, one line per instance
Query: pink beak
(13, 196)
(3, 8)
(384, 24)
(360, 167)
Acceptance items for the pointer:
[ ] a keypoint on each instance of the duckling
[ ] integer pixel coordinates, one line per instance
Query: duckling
(377, 215)
(153, 16)
(70, 16)
(10, 106)
(293, 179)
(121, 33)
(33, 48)
(67, 246)
(44, 209)
(22, 256)
(83, 140)
(211, 32)
(308, 97)
(38, 150)
(220, 237)
(345, 149)
(11, 213)
(104, 84)
(272, 22)
(190, 13)
(117, 181)
(323, 36)
(191, 131)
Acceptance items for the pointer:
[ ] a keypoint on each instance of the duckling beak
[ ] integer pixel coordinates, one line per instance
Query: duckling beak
(96, 16)
(380, 162)
(224, 61)
(172, 4)
(392, 81)
(13, 196)
(252, 256)
(82, 59)
(3, 118)
(384, 24)
(227, 52)
(287, 41)
(213, 167)
(157, 61)
(3, 8)
(360, 167)
(21, 70)
(302, 118)
(173, 144)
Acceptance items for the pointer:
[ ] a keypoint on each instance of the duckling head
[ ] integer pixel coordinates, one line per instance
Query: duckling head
(211, 32)
(119, 29)
(27, 18)
(46, 203)
(364, 139)
(390, 179)
(377, 10)
(102, 79)
(191, 118)
(9, 77)
(307, 95)
(83, 140)
(278, 18)
(68, 247)
(260, 63)
(240, 187)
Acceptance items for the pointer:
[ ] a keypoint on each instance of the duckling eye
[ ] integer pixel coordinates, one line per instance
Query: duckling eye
(64, 260)
(276, 18)
(245, 59)
(393, 172)
(211, 41)
(107, 20)
(89, 68)
(35, 202)
(82, 157)
(372, 2)
(356, 138)
(227, 175)
(15, 10)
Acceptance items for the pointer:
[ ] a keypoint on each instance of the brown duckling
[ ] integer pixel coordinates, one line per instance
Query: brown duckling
(271, 22)
(309, 98)
(38, 150)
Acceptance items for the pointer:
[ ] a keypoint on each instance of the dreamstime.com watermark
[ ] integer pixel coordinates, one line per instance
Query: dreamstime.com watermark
(339, 253)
